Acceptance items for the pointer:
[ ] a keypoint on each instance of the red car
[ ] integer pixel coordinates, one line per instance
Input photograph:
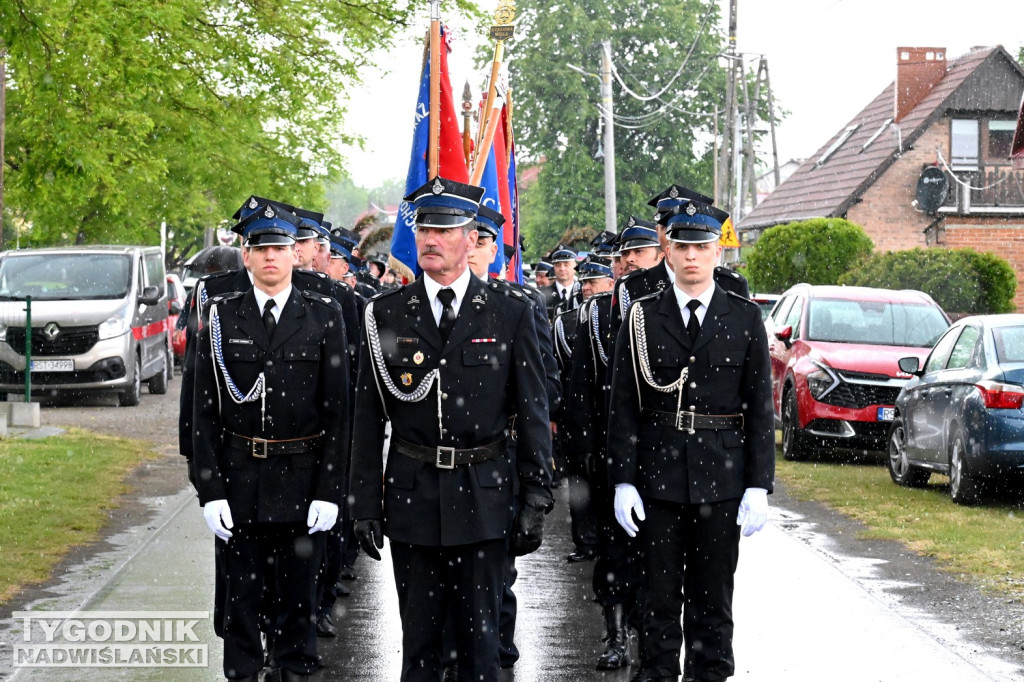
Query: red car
(175, 305)
(834, 354)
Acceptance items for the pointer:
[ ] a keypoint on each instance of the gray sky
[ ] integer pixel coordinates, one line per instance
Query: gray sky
(827, 59)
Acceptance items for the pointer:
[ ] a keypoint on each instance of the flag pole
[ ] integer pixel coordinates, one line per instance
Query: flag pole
(493, 119)
(467, 116)
(503, 29)
(433, 145)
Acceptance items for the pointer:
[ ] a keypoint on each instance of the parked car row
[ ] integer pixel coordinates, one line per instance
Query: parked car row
(884, 370)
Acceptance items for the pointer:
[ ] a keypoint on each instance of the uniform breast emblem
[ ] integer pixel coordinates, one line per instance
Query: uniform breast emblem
(406, 379)
(417, 358)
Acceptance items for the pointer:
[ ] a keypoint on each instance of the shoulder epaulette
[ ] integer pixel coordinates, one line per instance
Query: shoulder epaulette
(728, 271)
(318, 298)
(648, 297)
(741, 297)
(216, 275)
(387, 292)
(226, 296)
(602, 294)
(505, 287)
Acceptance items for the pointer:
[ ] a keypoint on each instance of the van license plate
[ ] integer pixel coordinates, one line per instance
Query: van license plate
(886, 414)
(53, 365)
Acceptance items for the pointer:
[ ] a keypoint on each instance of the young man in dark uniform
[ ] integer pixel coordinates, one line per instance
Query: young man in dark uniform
(691, 440)
(449, 359)
(270, 445)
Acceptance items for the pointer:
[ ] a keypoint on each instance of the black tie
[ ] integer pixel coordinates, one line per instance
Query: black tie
(565, 295)
(693, 326)
(447, 321)
(268, 317)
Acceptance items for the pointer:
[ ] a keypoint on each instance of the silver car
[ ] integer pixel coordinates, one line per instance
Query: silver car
(98, 321)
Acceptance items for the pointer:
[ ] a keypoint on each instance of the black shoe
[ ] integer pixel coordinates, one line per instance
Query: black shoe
(247, 678)
(506, 675)
(616, 652)
(451, 673)
(325, 626)
(342, 589)
(348, 573)
(585, 554)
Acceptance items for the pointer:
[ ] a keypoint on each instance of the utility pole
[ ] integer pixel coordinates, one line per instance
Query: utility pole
(610, 215)
(725, 165)
(3, 120)
(771, 119)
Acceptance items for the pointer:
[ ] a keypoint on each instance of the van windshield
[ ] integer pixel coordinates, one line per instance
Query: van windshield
(65, 276)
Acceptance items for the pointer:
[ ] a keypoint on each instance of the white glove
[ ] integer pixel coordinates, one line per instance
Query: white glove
(322, 516)
(627, 501)
(753, 512)
(218, 518)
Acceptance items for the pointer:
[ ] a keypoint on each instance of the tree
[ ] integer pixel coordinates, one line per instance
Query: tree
(960, 280)
(659, 142)
(124, 114)
(816, 251)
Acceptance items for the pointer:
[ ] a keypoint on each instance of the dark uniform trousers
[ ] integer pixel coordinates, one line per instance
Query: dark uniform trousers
(489, 368)
(583, 524)
(305, 366)
(586, 434)
(691, 483)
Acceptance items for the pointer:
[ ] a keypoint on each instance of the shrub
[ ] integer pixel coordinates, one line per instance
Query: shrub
(960, 280)
(816, 251)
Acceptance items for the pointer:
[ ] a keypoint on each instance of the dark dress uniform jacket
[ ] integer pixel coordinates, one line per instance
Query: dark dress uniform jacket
(306, 370)
(489, 369)
(587, 397)
(729, 373)
(238, 280)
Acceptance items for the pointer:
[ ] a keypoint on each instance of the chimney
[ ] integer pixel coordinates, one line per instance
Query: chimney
(918, 69)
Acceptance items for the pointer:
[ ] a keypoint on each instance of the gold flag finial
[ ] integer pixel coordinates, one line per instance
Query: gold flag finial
(504, 16)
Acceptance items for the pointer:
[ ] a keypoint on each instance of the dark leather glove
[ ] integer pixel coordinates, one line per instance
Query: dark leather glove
(529, 530)
(371, 537)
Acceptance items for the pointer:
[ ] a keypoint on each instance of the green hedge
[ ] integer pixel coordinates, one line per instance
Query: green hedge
(960, 280)
(816, 251)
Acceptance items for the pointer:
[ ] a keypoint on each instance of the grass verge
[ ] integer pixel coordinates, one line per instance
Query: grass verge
(983, 543)
(54, 495)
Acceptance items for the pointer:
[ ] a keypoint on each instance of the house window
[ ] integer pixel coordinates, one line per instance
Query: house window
(1000, 137)
(964, 144)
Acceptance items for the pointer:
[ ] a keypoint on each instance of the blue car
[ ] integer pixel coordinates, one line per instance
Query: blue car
(960, 414)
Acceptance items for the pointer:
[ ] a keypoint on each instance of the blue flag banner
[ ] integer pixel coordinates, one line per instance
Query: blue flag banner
(403, 239)
(492, 200)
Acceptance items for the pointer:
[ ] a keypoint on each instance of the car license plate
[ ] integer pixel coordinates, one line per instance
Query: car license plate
(886, 414)
(53, 365)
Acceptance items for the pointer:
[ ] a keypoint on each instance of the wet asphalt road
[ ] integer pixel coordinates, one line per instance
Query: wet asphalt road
(805, 608)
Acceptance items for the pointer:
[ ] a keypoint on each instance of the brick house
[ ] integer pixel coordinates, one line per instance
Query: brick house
(956, 118)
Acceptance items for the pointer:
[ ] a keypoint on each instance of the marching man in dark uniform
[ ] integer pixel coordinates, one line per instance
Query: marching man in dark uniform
(270, 445)
(691, 440)
(448, 359)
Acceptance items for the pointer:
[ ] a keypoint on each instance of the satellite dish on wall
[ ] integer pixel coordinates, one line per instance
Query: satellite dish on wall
(932, 189)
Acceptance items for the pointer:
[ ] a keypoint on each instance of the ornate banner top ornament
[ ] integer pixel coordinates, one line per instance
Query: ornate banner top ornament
(504, 18)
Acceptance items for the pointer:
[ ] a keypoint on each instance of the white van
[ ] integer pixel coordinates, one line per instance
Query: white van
(99, 321)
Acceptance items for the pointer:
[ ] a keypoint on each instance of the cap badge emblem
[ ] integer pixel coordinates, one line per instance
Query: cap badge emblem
(406, 379)
(437, 187)
(417, 358)
(673, 193)
(631, 222)
(269, 213)
(690, 209)
(253, 203)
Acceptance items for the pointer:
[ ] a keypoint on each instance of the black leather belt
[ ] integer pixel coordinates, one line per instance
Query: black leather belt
(261, 448)
(689, 421)
(448, 458)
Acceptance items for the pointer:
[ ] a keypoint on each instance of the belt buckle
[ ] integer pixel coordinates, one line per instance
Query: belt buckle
(680, 416)
(256, 442)
(450, 452)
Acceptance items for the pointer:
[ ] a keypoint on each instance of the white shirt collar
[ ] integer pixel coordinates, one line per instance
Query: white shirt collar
(568, 290)
(459, 286)
(670, 271)
(682, 298)
(280, 299)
